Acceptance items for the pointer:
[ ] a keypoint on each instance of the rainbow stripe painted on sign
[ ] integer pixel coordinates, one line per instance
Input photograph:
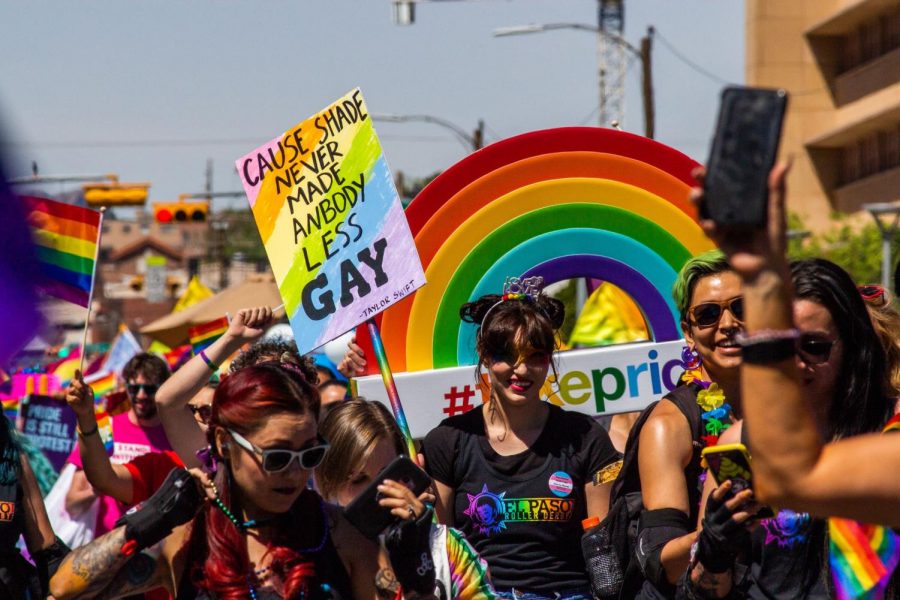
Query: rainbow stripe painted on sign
(65, 238)
(560, 203)
(331, 222)
(203, 336)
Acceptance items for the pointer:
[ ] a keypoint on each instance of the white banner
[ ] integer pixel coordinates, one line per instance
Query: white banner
(594, 381)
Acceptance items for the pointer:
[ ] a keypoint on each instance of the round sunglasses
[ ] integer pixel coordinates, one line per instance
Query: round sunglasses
(276, 460)
(873, 294)
(708, 314)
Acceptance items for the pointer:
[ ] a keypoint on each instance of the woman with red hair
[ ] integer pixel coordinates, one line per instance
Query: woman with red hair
(261, 534)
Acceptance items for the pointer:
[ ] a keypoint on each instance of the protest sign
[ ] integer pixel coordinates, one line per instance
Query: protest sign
(595, 381)
(50, 426)
(331, 222)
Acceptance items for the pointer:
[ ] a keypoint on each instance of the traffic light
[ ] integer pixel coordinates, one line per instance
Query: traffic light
(115, 194)
(181, 212)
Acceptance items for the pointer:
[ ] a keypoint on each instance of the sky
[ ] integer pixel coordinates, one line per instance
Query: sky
(152, 90)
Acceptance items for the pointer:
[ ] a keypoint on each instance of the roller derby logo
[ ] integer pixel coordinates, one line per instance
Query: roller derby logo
(491, 513)
(486, 511)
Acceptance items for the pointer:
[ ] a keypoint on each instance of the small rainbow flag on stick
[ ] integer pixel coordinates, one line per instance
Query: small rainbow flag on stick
(104, 425)
(202, 336)
(66, 239)
(102, 383)
(863, 558)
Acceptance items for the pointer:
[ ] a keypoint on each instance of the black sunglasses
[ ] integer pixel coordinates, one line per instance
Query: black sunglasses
(204, 411)
(135, 388)
(708, 314)
(873, 294)
(277, 460)
(814, 350)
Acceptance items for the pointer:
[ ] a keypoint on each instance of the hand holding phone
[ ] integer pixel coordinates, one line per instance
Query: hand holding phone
(743, 152)
(731, 462)
(367, 514)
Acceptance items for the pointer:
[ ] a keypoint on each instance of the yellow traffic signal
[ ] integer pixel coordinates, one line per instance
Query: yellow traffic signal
(181, 212)
(115, 194)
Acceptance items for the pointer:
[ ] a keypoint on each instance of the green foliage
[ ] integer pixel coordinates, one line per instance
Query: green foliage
(858, 250)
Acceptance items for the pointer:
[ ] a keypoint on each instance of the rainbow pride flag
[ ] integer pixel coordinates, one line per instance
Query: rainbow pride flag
(862, 558)
(202, 336)
(102, 383)
(104, 425)
(66, 239)
(11, 408)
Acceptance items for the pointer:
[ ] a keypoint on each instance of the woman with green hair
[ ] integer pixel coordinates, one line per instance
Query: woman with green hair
(708, 296)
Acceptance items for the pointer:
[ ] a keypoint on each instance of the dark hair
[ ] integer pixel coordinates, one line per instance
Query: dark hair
(278, 350)
(243, 402)
(10, 468)
(859, 405)
(153, 368)
(503, 324)
(331, 383)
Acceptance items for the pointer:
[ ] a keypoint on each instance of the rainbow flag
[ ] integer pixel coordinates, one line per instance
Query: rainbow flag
(11, 408)
(175, 356)
(102, 383)
(862, 558)
(202, 336)
(104, 425)
(66, 239)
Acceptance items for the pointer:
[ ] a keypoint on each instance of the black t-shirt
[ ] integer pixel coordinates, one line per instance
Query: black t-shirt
(522, 513)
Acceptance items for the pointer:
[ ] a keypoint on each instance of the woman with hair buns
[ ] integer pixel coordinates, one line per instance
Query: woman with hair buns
(517, 475)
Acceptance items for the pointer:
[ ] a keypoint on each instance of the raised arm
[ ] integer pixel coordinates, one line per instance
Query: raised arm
(792, 468)
(664, 452)
(105, 477)
(172, 398)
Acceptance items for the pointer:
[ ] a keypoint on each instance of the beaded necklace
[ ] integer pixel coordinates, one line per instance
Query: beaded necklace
(243, 526)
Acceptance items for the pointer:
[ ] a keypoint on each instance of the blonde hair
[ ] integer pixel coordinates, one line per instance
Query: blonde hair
(353, 428)
(886, 321)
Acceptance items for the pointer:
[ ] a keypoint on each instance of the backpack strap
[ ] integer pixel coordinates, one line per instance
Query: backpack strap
(685, 398)
(629, 479)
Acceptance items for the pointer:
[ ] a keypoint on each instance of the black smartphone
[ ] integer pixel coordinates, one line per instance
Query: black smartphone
(732, 461)
(743, 152)
(366, 514)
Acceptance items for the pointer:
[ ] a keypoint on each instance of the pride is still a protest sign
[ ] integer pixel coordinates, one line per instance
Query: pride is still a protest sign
(331, 222)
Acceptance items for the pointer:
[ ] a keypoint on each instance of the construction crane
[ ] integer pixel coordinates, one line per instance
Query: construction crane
(611, 56)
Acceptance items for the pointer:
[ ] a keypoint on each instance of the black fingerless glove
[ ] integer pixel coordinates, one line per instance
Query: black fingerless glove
(174, 503)
(409, 547)
(721, 538)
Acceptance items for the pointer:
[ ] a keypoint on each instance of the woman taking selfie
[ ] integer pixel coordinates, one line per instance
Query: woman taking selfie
(263, 534)
(517, 474)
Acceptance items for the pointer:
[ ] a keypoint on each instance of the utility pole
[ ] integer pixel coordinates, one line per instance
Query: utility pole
(647, 83)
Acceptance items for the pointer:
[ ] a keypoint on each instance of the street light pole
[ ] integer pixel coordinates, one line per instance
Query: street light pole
(888, 232)
(470, 142)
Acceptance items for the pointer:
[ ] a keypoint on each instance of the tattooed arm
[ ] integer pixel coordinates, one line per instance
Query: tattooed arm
(99, 570)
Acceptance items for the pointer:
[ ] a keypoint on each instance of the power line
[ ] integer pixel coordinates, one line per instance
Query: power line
(680, 56)
(187, 143)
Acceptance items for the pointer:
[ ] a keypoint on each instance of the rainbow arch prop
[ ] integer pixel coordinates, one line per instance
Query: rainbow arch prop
(560, 203)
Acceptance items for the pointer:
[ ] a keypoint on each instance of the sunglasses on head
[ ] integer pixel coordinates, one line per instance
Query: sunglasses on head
(277, 460)
(203, 410)
(872, 293)
(135, 388)
(708, 314)
(814, 350)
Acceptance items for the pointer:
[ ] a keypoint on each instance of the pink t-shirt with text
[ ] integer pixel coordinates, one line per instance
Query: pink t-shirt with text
(130, 441)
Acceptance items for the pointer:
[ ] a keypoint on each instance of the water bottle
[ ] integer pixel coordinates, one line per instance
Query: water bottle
(600, 560)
